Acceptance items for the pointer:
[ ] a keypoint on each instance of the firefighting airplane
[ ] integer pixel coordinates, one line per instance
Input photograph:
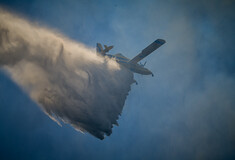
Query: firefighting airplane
(132, 64)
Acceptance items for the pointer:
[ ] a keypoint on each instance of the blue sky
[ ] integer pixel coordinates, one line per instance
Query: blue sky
(185, 112)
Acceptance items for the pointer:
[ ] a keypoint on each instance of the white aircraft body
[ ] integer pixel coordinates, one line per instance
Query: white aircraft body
(132, 64)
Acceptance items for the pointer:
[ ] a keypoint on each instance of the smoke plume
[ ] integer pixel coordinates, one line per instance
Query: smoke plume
(65, 78)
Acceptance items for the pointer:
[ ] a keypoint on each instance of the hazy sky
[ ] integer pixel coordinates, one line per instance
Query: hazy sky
(185, 112)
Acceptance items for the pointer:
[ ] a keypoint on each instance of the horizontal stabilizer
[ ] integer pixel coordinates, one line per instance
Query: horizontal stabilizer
(100, 50)
(107, 48)
(145, 52)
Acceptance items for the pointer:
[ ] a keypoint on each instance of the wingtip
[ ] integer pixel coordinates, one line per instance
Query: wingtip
(160, 41)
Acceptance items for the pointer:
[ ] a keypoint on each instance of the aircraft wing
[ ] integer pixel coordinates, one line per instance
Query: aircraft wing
(145, 52)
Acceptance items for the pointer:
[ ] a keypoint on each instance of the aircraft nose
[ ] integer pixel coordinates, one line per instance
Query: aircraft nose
(148, 72)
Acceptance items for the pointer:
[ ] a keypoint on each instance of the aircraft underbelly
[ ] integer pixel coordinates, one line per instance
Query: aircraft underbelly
(136, 68)
(132, 67)
(140, 71)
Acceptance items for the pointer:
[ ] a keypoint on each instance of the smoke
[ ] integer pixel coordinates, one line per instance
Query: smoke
(65, 78)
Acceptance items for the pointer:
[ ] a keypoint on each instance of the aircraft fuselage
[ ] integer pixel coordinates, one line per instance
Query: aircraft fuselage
(137, 68)
(132, 64)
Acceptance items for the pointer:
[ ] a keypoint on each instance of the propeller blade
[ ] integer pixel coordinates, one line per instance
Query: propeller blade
(145, 63)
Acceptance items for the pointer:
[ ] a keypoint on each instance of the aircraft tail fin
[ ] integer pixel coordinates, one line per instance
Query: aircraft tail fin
(145, 52)
(100, 50)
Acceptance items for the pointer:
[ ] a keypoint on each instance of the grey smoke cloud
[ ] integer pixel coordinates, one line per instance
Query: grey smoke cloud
(65, 78)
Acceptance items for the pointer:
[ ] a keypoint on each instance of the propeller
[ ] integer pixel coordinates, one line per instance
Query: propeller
(145, 63)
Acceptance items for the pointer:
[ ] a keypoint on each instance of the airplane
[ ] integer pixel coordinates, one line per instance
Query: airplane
(131, 64)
